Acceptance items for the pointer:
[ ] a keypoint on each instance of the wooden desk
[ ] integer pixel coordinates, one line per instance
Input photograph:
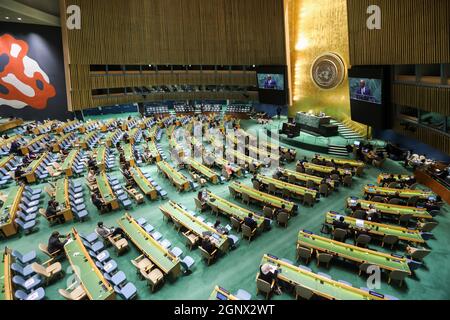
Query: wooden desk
(101, 157)
(221, 294)
(178, 179)
(56, 146)
(209, 174)
(263, 198)
(305, 177)
(342, 162)
(43, 128)
(196, 226)
(146, 187)
(67, 166)
(232, 210)
(352, 253)
(25, 149)
(400, 193)
(296, 191)
(391, 209)
(149, 247)
(427, 180)
(404, 178)
(30, 171)
(92, 280)
(6, 124)
(377, 229)
(106, 191)
(321, 286)
(243, 159)
(62, 197)
(9, 210)
(129, 154)
(6, 288)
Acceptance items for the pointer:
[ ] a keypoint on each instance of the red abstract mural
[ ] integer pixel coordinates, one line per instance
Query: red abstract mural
(22, 81)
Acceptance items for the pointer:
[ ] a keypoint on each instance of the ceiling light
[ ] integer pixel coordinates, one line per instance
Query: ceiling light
(20, 19)
(7, 18)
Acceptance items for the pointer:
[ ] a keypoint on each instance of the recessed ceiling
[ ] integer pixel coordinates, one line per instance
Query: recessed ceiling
(44, 12)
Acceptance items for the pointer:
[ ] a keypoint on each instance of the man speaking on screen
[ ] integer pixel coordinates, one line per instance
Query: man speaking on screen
(270, 83)
(363, 92)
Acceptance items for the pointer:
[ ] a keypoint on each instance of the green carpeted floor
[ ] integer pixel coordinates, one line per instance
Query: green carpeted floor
(237, 269)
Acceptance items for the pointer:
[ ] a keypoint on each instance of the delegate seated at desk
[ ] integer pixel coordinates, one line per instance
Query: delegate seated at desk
(99, 203)
(269, 274)
(250, 222)
(52, 211)
(54, 243)
(207, 245)
(106, 232)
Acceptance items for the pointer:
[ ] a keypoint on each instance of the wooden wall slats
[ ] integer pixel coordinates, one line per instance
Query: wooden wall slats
(173, 32)
(433, 99)
(435, 139)
(412, 32)
(222, 32)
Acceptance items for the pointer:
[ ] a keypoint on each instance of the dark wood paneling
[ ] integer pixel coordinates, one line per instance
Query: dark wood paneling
(434, 99)
(435, 139)
(412, 32)
(228, 32)
(174, 32)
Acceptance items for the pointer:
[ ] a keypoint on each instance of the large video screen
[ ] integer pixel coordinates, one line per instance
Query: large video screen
(267, 81)
(368, 90)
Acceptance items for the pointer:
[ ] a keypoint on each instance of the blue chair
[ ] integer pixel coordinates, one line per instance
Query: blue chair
(26, 271)
(36, 295)
(91, 238)
(27, 284)
(110, 267)
(166, 243)
(141, 221)
(177, 252)
(156, 235)
(25, 217)
(149, 228)
(27, 227)
(103, 256)
(305, 268)
(287, 261)
(324, 275)
(26, 258)
(119, 278)
(127, 292)
(81, 215)
(187, 263)
(345, 282)
(241, 294)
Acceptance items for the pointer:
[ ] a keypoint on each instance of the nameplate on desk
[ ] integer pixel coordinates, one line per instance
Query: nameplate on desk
(376, 294)
(223, 290)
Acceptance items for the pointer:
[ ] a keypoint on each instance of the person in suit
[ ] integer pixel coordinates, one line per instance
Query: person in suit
(269, 274)
(270, 83)
(340, 224)
(106, 232)
(250, 222)
(363, 91)
(54, 243)
(207, 245)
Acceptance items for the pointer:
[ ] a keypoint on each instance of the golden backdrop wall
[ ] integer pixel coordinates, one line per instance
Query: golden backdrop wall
(317, 27)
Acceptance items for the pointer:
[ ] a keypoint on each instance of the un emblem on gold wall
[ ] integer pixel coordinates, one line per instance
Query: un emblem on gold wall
(328, 71)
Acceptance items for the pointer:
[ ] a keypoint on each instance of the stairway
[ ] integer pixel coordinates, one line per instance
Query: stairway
(346, 132)
(337, 151)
